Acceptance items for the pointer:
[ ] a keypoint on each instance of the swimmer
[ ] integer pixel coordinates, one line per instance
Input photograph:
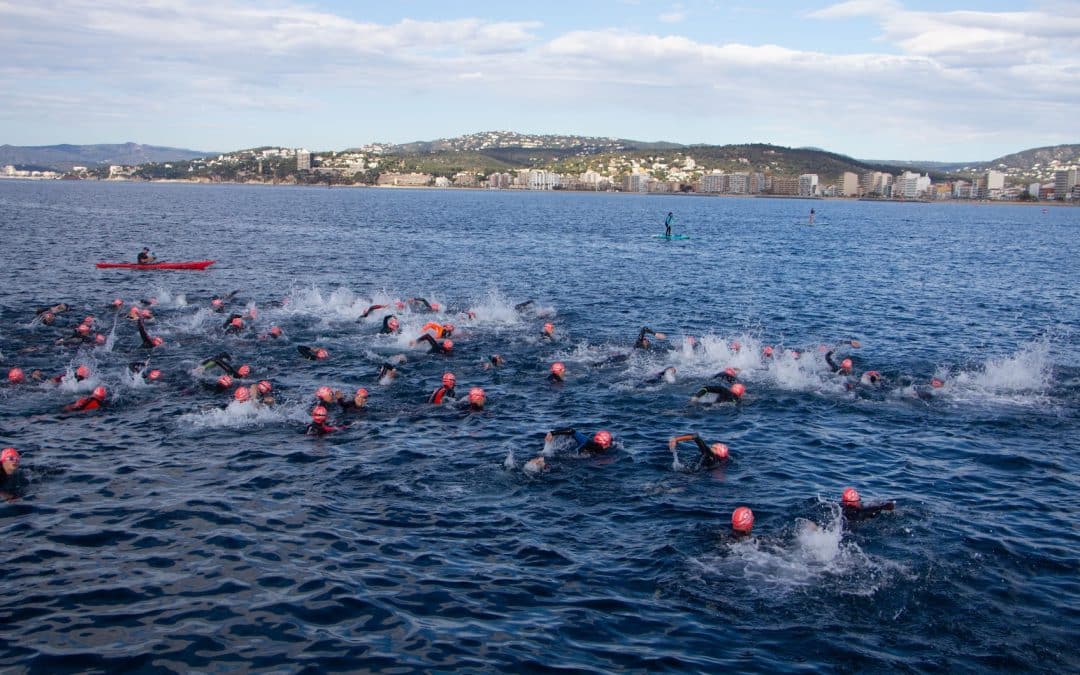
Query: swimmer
(80, 336)
(844, 367)
(871, 378)
(16, 376)
(92, 402)
(549, 332)
(521, 306)
(729, 375)
(357, 403)
(477, 399)
(535, 465)
(445, 391)
(273, 334)
(439, 330)
(371, 309)
(767, 352)
(387, 373)
(148, 342)
(494, 361)
(557, 374)
(642, 342)
(422, 305)
(260, 392)
(9, 464)
(224, 383)
(711, 455)
(313, 354)
(665, 375)
(145, 257)
(234, 324)
(598, 444)
(927, 393)
(220, 361)
(851, 502)
(81, 373)
(724, 394)
(389, 325)
(445, 347)
(742, 521)
(58, 308)
(318, 426)
(326, 395)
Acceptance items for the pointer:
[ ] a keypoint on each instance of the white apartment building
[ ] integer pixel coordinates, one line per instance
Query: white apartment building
(739, 183)
(1064, 182)
(849, 184)
(714, 182)
(808, 185)
(303, 160)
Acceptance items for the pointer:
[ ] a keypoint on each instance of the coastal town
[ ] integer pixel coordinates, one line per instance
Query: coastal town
(485, 161)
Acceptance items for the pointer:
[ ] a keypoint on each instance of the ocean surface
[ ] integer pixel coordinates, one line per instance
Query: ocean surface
(175, 530)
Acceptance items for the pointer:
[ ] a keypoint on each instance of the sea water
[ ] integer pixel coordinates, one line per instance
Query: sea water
(176, 530)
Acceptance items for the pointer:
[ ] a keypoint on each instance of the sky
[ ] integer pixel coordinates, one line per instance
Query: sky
(873, 79)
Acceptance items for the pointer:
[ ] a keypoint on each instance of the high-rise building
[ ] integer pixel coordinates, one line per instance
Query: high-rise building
(808, 185)
(303, 160)
(714, 182)
(849, 184)
(1064, 182)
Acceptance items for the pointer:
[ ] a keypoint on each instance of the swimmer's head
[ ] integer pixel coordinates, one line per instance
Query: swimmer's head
(275, 331)
(98, 393)
(850, 497)
(157, 340)
(318, 414)
(244, 370)
(242, 394)
(133, 313)
(225, 382)
(738, 389)
(742, 520)
(263, 387)
(217, 302)
(16, 376)
(735, 346)
(435, 306)
(237, 322)
(870, 377)
(82, 372)
(845, 366)
(936, 383)
(603, 439)
(558, 369)
(767, 352)
(153, 375)
(549, 328)
(448, 380)
(47, 318)
(399, 304)
(118, 303)
(83, 329)
(99, 339)
(448, 344)
(10, 458)
(146, 314)
(477, 397)
(392, 323)
(448, 328)
(321, 354)
(719, 450)
(731, 372)
(324, 393)
(360, 397)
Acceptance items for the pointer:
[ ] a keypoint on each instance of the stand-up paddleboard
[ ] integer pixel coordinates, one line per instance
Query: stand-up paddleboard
(673, 237)
(183, 265)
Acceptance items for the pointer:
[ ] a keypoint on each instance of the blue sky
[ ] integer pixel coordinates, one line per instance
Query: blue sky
(875, 79)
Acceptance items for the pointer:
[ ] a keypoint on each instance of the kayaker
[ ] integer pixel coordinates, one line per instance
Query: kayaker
(146, 257)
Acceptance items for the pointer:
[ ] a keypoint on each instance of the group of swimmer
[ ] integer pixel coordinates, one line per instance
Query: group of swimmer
(219, 373)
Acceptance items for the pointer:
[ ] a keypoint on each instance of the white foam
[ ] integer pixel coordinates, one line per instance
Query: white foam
(237, 415)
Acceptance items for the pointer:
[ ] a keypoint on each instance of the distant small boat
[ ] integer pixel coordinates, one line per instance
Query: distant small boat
(182, 265)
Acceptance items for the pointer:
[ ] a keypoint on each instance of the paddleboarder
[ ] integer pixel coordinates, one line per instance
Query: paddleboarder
(146, 257)
(667, 223)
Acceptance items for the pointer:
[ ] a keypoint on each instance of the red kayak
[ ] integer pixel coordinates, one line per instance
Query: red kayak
(185, 265)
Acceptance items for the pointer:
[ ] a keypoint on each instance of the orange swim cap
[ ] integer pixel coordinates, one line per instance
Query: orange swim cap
(742, 520)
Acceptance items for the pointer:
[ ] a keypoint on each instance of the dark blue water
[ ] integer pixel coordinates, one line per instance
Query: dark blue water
(176, 531)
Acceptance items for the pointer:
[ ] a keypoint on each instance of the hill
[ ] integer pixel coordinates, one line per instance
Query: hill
(63, 157)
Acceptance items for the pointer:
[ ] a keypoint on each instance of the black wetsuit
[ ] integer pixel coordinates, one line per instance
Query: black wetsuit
(371, 309)
(659, 376)
(723, 394)
(424, 305)
(522, 305)
(219, 361)
(707, 460)
(386, 369)
(435, 345)
(726, 377)
(584, 443)
(147, 341)
(857, 513)
(555, 379)
(145, 257)
(441, 394)
(320, 429)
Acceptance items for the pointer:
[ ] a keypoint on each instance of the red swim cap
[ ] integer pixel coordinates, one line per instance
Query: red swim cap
(448, 344)
(264, 387)
(603, 439)
(742, 520)
(47, 317)
(251, 313)
(361, 392)
(448, 380)
(936, 383)
(16, 376)
(448, 327)
(237, 322)
(275, 331)
(393, 323)
(850, 497)
(242, 394)
(558, 368)
(88, 319)
(10, 455)
(324, 393)
(767, 351)
(731, 372)
(549, 328)
(146, 314)
(845, 364)
(738, 389)
(157, 341)
(82, 372)
(118, 303)
(476, 395)
(154, 375)
(435, 306)
(321, 353)
(83, 329)
(99, 339)
(735, 346)
(399, 304)
(244, 370)
(719, 450)
(133, 312)
(98, 393)
(318, 414)
(217, 302)
(224, 381)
